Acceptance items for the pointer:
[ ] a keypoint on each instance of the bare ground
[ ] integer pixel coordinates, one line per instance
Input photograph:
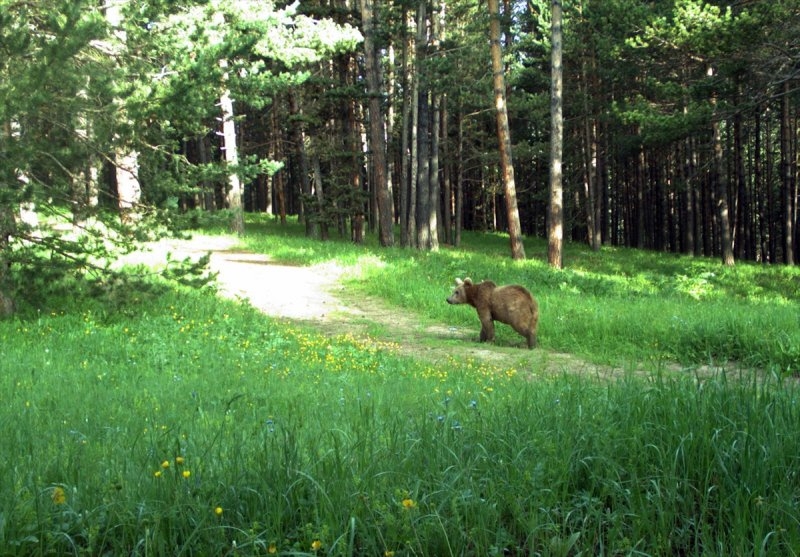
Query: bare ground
(313, 295)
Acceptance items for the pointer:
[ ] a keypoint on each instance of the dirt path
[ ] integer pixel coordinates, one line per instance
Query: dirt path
(313, 295)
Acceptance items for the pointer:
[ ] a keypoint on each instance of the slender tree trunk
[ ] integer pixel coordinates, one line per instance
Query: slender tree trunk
(7, 226)
(744, 246)
(406, 157)
(126, 159)
(319, 196)
(423, 173)
(459, 211)
(354, 146)
(593, 224)
(555, 226)
(435, 187)
(758, 233)
(787, 177)
(447, 179)
(231, 155)
(688, 179)
(377, 129)
(723, 211)
(504, 134)
(418, 132)
(301, 160)
(129, 190)
(641, 163)
(391, 87)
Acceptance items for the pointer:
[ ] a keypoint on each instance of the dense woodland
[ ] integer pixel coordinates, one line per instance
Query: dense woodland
(680, 119)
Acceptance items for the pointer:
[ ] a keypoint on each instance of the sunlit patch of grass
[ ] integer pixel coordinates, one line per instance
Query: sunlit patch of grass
(614, 306)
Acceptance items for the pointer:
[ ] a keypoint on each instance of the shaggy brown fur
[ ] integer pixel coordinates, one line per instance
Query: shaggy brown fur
(512, 304)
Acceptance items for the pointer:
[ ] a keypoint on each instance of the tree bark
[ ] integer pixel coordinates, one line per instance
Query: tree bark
(129, 190)
(435, 188)
(787, 177)
(447, 179)
(555, 221)
(126, 159)
(721, 182)
(407, 130)
(231, 155)
(376, 128)
(7, 225)
(504, 134)
(301, 163)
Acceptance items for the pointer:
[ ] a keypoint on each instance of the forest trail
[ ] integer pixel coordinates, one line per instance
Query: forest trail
(314, 296)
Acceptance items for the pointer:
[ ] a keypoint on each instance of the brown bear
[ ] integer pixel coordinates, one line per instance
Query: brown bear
(512, 304)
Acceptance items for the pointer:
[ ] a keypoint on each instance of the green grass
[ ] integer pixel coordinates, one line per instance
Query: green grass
(617, 306)
(173, 423)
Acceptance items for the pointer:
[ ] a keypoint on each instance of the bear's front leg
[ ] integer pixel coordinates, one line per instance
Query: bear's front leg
(487, 326)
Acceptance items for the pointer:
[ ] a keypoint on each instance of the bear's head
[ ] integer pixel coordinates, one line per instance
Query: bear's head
(459, 295)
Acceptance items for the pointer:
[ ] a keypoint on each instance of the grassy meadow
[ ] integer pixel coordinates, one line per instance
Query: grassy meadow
(169, 422)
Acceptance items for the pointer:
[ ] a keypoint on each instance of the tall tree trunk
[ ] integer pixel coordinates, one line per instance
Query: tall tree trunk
(593, 200)
(447, 179)
(688, 180)
(721, 181)
(129, 190)
(7, 225)
(231, 155)
(376, 128)
(787, 177)
(504, 134)
(352, 137)
(435, 187)
(301, 163)
(641, 163)
(592, 191)
(459, 211)
(85, 188)
(423, 172)
(419, 134)
(555, 224)
(743, 241)
(407, 126)
(126, 159)
(319, 196)
(760, 232)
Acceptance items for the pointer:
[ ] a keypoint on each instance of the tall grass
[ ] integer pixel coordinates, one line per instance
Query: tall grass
(174, 423)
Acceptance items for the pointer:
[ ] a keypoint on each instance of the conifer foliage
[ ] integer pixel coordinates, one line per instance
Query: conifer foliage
(679, 122)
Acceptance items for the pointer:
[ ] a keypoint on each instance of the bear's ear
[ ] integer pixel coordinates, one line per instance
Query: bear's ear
(459, 282)
(468, 281)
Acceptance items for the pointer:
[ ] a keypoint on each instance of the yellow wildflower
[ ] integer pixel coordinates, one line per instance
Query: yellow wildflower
(165, 464)
(218, 511)
(409, 503)
(157, 473)
(316, 545)
(186, 474)
(273, 549)
(178, 460)
(59, 495)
